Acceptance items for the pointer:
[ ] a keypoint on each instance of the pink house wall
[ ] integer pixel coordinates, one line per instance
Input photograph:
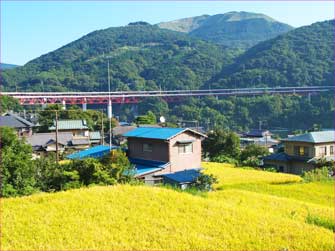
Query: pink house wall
(167, 151)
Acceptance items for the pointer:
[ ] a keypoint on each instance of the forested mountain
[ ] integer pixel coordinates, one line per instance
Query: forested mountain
(145, 57)
(304, 56)
(232, 29)
(141, 57)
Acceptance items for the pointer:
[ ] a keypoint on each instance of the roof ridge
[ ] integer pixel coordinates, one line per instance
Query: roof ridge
(23, 120)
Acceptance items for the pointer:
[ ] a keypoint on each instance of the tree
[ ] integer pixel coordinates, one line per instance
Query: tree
(148, 119)
(51, 176)
(222, 142)
(205, 182)
(253, 150)
(8, 103)
(118, 166)
(17, 170)
(155, 104)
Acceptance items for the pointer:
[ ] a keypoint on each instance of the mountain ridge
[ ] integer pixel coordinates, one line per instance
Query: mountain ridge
(232, 29)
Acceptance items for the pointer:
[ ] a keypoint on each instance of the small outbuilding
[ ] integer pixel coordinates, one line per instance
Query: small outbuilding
(181, 179)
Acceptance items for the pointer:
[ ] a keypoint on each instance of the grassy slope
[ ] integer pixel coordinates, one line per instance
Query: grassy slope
(140, 217)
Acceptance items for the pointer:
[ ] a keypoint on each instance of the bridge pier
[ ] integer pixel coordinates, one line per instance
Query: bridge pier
(44, 104)
(64, 105)
(309, 97)
(84, 106)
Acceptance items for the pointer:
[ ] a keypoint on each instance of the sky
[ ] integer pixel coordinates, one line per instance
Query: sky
(30, 29)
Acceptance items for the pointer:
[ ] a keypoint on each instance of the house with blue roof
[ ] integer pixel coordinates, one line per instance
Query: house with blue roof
(158, 151)
(302, 152)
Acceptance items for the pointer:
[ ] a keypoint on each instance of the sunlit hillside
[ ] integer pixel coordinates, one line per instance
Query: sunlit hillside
(249, 210)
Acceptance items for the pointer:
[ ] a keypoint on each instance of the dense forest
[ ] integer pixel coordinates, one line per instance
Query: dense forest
(302, 57)
(141, 57)
(145, 57)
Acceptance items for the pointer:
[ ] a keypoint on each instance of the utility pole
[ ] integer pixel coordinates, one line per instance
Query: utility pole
(56, 125)
(102, 128)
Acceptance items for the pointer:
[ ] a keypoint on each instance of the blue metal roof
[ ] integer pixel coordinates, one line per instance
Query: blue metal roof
(154, 132)
(285, 157)
(93, 152)
(277, 156)
(186, 176)
(143, 166)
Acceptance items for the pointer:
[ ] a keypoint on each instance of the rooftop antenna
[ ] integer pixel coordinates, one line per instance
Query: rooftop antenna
(109, 108)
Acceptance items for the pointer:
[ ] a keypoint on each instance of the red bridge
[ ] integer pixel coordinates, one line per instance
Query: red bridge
(128, 97)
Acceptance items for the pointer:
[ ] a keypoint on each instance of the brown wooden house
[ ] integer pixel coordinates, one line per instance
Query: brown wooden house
(158, 151)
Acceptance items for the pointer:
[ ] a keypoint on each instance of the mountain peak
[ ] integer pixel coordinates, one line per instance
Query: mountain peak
(233, 29)
(234, 16)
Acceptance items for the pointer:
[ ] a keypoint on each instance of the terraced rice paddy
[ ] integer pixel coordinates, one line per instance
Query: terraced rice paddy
(250, 210)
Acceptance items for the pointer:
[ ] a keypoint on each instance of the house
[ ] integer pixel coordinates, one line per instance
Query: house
(302, 152)
(257, 133)
(43, 143)
(95, 138)
(157, 151)
(79, 143)
(259, 137)
(23, 127)
(78, 127)
(118, 133)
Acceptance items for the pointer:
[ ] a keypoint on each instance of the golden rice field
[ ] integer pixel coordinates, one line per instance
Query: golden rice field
(251, 210)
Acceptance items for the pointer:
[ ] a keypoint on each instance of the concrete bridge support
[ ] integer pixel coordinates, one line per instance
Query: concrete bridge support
(63, 105)
(84, 105)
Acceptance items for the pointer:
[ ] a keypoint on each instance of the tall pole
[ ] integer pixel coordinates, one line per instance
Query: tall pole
(109, 108)
(102, 128)
(56, 125)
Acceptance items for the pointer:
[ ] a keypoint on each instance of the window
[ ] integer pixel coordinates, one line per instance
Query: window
(185, 148)
(147, 147)
(322, 150)
(301, 150)
(331, 150)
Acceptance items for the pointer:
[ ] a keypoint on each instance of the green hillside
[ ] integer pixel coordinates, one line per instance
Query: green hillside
(304, 56)
(232, 29)
(142, 57)
(251, 210)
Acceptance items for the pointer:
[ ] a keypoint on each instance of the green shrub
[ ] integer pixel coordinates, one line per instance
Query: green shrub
(318, 174)
(204, 182)
(225, 159)
(252, 161)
